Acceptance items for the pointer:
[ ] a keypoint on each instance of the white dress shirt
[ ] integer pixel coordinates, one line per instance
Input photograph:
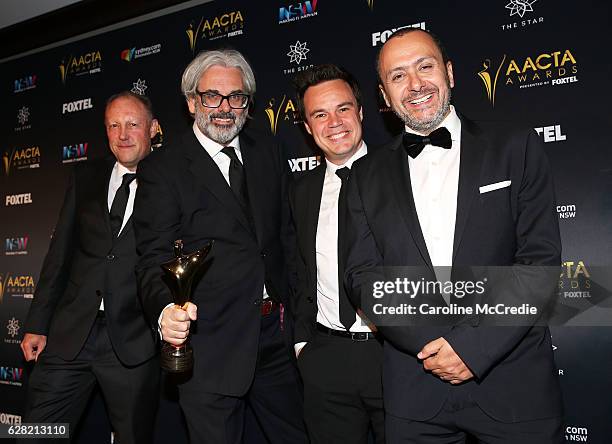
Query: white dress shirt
(434, 176)
(214, 150)
(114, 183)
(328, 310)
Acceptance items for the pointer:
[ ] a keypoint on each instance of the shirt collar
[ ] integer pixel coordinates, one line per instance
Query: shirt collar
(213, 148)
(331, 168)
(451, 122)
(118, 172)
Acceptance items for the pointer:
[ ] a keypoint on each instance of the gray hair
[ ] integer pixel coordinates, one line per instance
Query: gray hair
(228, 58)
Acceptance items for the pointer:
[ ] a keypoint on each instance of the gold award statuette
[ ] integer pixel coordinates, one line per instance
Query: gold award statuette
(181, 273)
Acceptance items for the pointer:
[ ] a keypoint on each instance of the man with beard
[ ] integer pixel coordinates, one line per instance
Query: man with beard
(453, 192)
(222, 183)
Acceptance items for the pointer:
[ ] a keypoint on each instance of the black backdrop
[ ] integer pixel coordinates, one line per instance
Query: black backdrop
(543, 63)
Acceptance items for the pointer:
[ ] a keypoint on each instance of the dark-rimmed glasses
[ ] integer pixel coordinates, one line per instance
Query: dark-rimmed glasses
(214, 100)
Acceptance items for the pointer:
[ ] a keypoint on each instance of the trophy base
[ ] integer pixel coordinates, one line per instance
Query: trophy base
(176, 359)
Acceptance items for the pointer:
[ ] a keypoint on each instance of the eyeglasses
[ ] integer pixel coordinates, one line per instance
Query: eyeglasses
(214, 100)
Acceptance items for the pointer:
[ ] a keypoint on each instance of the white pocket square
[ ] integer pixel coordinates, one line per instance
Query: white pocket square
(495, 186)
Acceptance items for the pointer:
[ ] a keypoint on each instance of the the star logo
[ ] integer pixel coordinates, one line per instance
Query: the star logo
(139, 87)
(13, 327)
(520, 7)
(23, 115)
(297, 52)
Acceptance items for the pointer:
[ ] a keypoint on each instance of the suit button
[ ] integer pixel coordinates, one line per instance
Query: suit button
(263, 254)
(257, 302)
(110, 257)
(309, 299)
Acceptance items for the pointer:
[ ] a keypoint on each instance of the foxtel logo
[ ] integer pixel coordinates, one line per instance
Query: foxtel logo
(551, 133)
(9, 418)
(77, 105)
(304, 163)
(382, 36)
(18, 199)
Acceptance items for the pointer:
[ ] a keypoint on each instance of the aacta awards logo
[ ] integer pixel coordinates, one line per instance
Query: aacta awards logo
(74, 153)
(19, 286)
(297, 11)
(25, 83)
(158, 140)
(284, 110)
(88, 63)
(575, 280)
(226, 25)
(20, 159)
(16, 246)
(370, 4)
(546, 69)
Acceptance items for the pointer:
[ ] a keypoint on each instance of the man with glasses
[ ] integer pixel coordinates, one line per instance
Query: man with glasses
(222, 183)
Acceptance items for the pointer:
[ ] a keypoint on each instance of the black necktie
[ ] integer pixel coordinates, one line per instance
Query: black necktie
(414, 144)
(238, 180)
(347, 312)
(117, 210)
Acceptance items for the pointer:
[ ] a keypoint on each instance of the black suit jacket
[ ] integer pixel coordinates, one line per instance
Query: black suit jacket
(305, 204)
(182, 194)
(83, 265)
(305, 200)
(515, 375)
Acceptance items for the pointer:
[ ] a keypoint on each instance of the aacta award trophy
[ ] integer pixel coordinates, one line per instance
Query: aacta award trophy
(180, 274)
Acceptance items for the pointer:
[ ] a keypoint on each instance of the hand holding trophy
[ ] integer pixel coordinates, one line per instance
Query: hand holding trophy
(181, 273)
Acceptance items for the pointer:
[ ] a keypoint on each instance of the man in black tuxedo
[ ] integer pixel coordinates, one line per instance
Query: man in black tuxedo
(451, 191)
(220, 182)
(86, 325)
(331, 339)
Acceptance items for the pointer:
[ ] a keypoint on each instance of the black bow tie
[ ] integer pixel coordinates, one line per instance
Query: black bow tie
(414, 144)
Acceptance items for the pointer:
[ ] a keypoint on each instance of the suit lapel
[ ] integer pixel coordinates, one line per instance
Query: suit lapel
(102, 181)
(207, 174)
(399, 171)
(313, 205)
(254, 169)
(472, 150)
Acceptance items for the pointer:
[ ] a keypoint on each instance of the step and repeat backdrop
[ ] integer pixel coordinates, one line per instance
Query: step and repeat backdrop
(541, 63)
